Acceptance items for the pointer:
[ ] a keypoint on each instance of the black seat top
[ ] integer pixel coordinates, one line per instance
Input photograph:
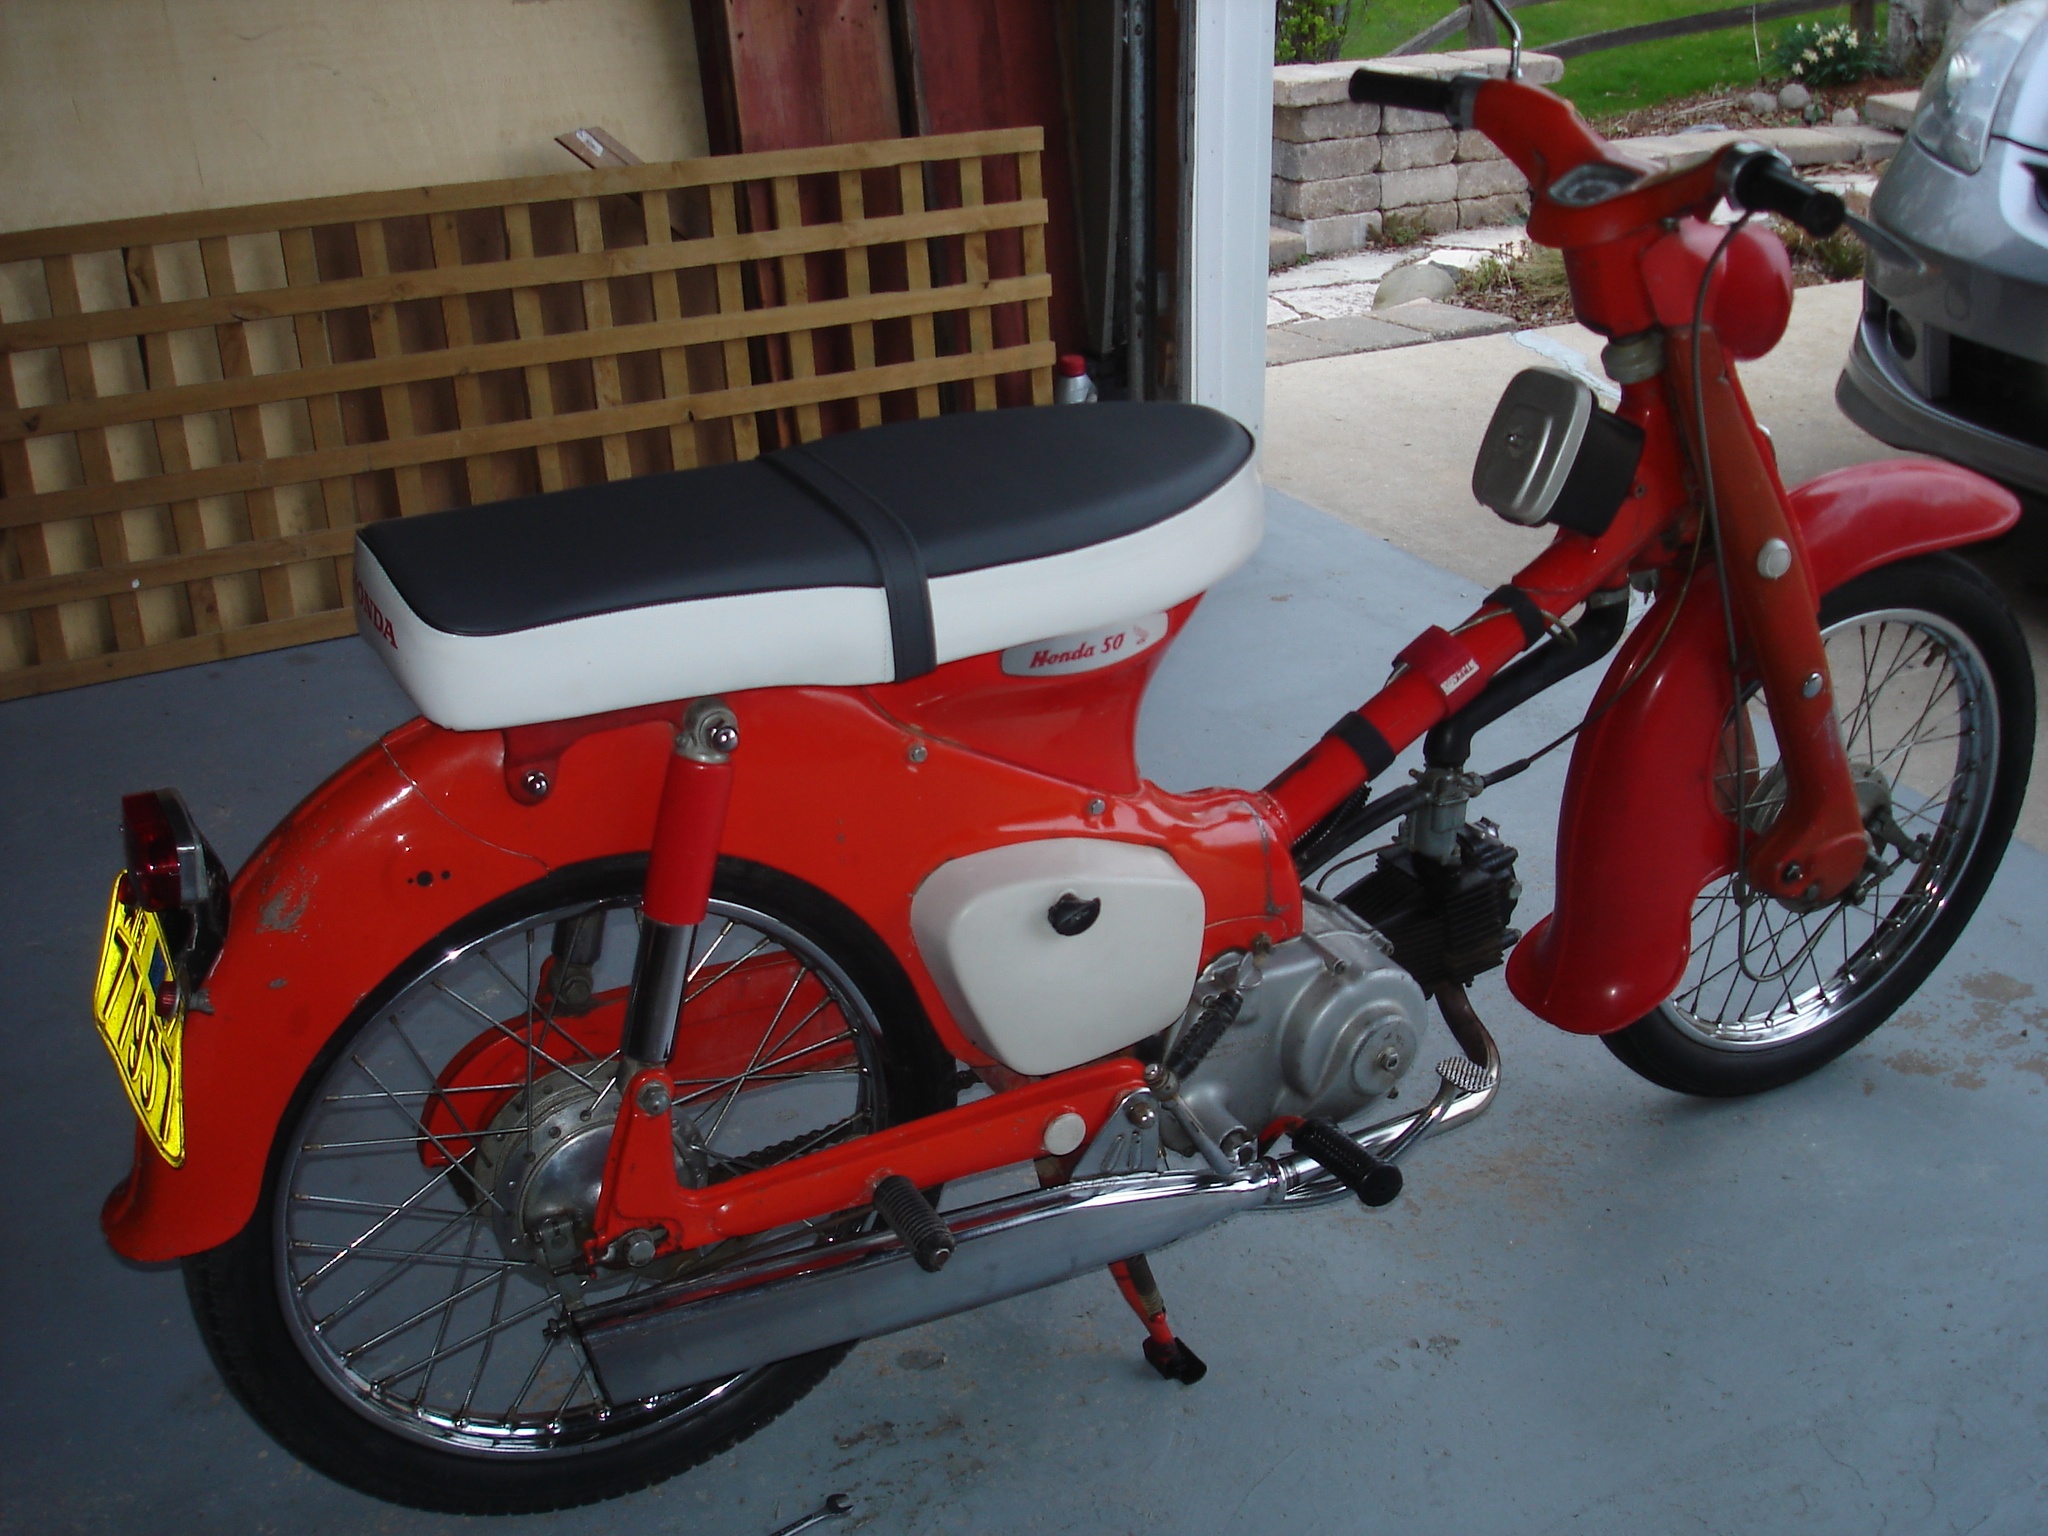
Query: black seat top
(974, 490)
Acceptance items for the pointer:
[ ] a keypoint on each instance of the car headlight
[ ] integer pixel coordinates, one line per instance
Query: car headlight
(1961, 95)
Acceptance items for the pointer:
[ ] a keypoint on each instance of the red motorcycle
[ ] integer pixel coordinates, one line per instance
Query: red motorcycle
(571, 1081)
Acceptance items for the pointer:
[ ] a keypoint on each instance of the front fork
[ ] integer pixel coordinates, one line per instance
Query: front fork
(1816, 848)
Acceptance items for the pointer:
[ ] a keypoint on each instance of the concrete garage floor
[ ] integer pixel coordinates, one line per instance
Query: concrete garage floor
(1602, 1309)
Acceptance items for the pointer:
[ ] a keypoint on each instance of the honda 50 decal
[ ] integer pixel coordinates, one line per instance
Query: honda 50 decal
(1084, 652)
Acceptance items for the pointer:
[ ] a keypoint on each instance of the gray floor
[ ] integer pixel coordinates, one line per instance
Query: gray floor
(1603, 1309)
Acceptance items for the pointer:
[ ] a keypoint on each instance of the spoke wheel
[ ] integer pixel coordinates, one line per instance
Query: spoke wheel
(1934, 692)
(397, 1312)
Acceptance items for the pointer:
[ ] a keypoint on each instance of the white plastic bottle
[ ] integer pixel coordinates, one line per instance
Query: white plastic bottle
(1071, 384)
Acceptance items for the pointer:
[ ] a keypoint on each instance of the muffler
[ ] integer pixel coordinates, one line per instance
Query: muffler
(778, 1307)
(1121, 1202)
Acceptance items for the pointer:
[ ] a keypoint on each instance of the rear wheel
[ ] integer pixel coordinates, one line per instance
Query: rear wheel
(395, 1312)
(1934, 690)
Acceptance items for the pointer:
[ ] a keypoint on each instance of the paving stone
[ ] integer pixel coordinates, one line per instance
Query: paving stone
(1333, 302)
(1487, 212)
(1339, 120)
(1326, 159)
(1408, 120)
(1877, 144)
(1893, 109)
(1290, 344)
(1284, 247)
(1355, 333)
(1331, 271)
(1445, 321)
(1417, 188)
(1411, 151)
(1489, 178)
(1474, 145)
(1306, 200)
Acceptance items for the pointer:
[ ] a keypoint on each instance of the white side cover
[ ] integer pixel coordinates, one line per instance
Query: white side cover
(814, 637)
(1039, 1001)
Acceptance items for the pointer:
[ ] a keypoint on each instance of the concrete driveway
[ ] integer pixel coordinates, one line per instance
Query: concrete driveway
(1385, 441)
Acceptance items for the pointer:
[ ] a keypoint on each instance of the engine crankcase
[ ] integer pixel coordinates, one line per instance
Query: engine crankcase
(1332, 1025)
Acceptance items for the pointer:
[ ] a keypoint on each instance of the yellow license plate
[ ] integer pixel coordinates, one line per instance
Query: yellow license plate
(147, 1047)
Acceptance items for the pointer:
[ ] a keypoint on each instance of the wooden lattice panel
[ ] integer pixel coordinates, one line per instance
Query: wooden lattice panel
(197, 409)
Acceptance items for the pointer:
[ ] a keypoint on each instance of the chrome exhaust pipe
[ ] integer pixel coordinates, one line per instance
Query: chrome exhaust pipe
(1119, 1203)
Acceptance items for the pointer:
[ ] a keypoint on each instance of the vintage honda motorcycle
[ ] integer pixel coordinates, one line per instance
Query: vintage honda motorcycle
(569, 1083)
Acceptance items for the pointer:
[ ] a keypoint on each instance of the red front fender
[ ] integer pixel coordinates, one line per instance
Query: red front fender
(1639, 834)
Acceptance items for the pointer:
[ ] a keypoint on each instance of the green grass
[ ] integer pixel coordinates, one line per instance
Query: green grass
(1619, 80)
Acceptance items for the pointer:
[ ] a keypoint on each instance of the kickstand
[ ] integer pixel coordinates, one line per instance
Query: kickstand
(1169, 1356)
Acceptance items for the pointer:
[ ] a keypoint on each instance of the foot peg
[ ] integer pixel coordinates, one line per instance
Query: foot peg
(1373, 1179)
(1165, 1353)
(910, 1216)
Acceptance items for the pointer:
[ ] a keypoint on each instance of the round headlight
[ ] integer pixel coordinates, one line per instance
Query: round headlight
(1961, 94)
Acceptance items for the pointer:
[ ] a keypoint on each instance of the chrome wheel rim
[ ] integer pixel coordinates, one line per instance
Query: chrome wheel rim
(395, 1279)
(1915, 702)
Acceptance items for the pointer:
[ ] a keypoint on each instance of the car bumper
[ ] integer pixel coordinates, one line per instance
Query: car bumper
(1875, 393)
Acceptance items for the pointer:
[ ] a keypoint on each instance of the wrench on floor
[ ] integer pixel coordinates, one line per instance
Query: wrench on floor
(834, 1506)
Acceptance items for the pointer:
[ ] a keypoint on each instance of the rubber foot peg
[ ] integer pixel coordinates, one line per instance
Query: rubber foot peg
(910, 1216)
(1175, 1361)
(1374, 1180)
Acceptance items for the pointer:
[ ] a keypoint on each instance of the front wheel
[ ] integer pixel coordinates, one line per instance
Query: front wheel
(398, 1311)
(1934, 690)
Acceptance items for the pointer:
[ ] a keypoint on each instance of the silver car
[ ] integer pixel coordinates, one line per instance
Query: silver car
(1951, 357)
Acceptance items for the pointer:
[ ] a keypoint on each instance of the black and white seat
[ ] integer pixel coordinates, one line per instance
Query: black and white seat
(862, 558)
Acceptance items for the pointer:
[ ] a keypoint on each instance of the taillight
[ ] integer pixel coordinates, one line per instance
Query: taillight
(166, 857)
(173, 872)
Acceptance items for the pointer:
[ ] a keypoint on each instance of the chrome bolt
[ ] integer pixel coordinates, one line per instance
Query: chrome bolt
(1794, 873)
(1096, 807)
(536, 783)
(919, 753)
(1158, 1077)
(1811, 687)
(1140, 1112)
(1389, 1059)
(1774, 559)
(640, 1249)
(653, 1098)
(721, 736)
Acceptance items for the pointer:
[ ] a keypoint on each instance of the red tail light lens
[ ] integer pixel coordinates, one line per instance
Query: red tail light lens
(166, 858)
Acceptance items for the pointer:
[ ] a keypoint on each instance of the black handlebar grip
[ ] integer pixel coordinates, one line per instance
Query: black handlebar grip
(1420, 92)
(1373, 1179)
(1764, 183)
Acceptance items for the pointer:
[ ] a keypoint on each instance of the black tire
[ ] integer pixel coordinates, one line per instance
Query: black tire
(434, 1444)
(1935, 690)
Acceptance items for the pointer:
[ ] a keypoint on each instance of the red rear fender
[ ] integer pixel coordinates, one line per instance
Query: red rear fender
(1639, 833)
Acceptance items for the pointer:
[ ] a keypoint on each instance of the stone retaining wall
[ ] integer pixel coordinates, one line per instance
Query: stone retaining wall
(1341, 167)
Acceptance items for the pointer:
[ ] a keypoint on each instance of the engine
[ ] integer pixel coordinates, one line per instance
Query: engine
(1328, 1024)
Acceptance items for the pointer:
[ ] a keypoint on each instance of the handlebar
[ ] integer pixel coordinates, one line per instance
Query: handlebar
(1451, 98)
(1761, 181)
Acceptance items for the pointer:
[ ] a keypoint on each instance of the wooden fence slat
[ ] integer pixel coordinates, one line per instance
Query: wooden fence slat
(351, 208)
(110, 529)
(628, 261)
(486, 357)
(732, 300)
(259, 498)
(668, 309)
(1684, 26)
(173, 445)
(852, 206)
(796, 291)
(440, 324)
(917, 259)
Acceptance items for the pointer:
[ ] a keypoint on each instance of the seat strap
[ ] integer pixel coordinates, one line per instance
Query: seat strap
(897, 556)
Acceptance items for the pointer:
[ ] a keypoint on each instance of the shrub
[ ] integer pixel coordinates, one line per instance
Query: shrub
(1817, 55)
(1309, 31)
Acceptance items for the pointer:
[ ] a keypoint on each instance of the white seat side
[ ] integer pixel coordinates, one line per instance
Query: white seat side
(1154, 568)
(816, 636)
